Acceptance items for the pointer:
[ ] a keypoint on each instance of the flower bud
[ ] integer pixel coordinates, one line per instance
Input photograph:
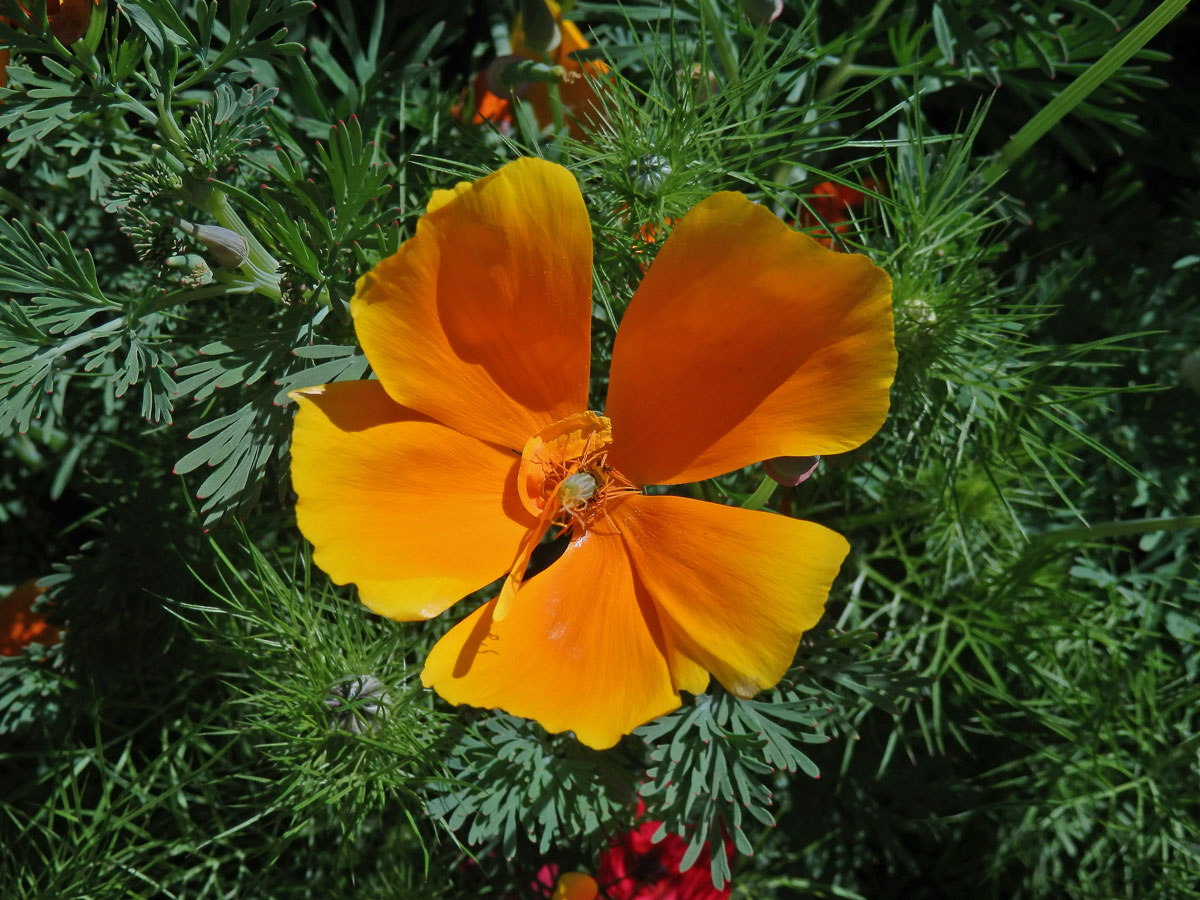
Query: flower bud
(761, 12)
(197, 272)
(791, 470)
(649, 172)
(704, 84)
(499, 83)
(356, 702)
(541, 31)
(228, 247)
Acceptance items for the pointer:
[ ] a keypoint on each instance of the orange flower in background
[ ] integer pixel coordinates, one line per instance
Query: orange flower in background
(69, 20)
(20, 626)
(577, 93)
(829, 207)
(575, 886)
(746, 340)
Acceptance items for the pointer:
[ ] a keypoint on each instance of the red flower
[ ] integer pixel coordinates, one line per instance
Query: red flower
(636, 868)
(829, 207)
(20, 626)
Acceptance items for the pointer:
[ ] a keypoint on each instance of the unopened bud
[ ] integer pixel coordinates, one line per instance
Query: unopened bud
(704, 84)
(355, 703)
(197, 272)
(649, 172)
(762, 11)
(541, 31)
(500, 82)
(1189, 371)
(228, 247)
(791, 470)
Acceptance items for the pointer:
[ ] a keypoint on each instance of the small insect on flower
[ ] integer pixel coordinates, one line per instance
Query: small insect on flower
(575, 492)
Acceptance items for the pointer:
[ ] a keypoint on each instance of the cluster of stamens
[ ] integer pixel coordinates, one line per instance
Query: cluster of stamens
(581, 489)
(564, 480)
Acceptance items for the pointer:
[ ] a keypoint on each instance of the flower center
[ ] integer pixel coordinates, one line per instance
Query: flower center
(564, 479)
(564, 476)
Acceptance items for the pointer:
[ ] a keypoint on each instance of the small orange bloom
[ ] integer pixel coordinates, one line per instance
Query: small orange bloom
(575, 886)
(20, 626)
(69, 20)
(576, 92)
(746, 340)
(829, 207)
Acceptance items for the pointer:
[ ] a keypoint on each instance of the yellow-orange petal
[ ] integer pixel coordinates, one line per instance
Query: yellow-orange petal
(580, 650)
(735, 589)
(482, 320)
(745, 341)
(415, 513)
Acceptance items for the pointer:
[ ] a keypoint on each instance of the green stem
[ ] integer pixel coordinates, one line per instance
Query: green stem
(845, 67)
(1074, 94)
(137, 106)
(715, 26)
(1120, 529)
(761, 494)
(556, 104)
(227, 283)
(167, 124)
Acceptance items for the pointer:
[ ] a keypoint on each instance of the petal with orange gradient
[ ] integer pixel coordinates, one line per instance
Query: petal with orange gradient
(735, 588)
(415, 513)
(69, 19)
(482, 320)
(580, 650)
(746, 341)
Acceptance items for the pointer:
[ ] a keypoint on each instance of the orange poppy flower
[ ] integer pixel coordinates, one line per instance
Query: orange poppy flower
(20, 626)
(69, 20)
(576, 91)
(746, 340)
(829, 207)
